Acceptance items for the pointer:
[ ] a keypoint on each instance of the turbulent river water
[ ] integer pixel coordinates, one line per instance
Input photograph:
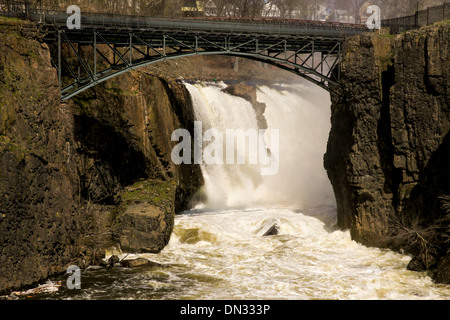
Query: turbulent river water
(219, 249)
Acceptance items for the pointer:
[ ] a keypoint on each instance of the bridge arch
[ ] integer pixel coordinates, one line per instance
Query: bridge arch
(82, 84)
(315, 66)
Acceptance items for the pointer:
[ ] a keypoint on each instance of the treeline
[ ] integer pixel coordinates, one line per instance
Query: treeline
(296, 9)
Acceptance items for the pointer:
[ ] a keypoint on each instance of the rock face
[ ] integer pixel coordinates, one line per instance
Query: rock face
(389, 145)
(40, 220)
(123, 130)
(249, 93)
(64, 167)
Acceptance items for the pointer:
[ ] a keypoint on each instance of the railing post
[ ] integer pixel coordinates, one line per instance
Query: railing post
(164, 45)
(131, 49)
(417, 16)
(95, 55)
(59, 59)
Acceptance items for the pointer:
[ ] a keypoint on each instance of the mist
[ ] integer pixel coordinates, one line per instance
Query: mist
(302, 112)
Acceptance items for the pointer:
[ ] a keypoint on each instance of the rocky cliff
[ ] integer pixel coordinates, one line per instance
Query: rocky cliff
(40, 219)
(79, 177)
(389, 149)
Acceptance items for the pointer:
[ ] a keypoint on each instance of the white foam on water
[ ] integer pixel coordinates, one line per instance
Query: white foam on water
(304, 261)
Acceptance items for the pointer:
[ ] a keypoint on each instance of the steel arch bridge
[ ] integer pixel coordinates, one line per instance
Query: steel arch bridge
(107, 46)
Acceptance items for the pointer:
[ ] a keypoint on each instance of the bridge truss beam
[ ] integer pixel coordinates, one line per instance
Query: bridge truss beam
(88, 57)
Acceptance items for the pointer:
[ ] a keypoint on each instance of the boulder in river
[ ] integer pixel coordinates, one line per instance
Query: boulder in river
(415, 265)
(138, 262)
(115, 261)
(269, 228)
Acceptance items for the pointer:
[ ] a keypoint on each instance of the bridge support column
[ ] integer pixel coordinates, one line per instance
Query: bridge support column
(59, 60)
(95, 55)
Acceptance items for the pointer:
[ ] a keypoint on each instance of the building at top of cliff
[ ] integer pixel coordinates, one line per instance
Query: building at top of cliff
(192, 8)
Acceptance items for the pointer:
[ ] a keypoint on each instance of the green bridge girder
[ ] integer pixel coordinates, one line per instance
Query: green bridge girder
(107, 46)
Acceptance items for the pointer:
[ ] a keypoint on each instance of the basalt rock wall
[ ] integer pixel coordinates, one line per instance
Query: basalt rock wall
(389, 146)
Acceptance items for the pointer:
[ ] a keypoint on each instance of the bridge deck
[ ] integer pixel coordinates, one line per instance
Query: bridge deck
(286, 28)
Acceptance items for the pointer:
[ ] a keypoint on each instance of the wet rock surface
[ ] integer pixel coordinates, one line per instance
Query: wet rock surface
(115, 262)
(443, 271)
(41, 221)
(249, 93)
(145, 217)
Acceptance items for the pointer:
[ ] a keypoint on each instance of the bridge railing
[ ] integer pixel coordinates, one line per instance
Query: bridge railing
(21, 9)
(272, 26)
(419, 19)
(14, 9)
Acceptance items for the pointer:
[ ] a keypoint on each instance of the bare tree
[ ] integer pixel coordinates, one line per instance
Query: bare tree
(248, 8)
(218, 8)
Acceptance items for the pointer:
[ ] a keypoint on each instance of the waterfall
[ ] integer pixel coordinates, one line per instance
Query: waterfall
(224, 251)
(301, 114)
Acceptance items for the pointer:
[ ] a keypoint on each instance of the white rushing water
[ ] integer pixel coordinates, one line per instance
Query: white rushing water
(218, 251)
(303, 133)
(223, 255)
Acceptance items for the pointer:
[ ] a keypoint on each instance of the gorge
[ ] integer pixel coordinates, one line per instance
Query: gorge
(93, 174)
